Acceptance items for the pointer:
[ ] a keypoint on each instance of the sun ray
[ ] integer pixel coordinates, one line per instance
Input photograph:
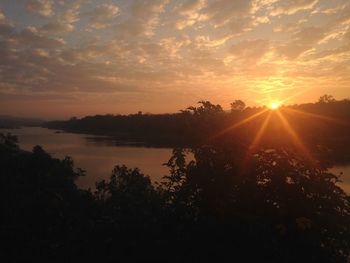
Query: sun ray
(281, 102)
(238, 124)
(326, 118)
(255, 142)
(260, 133)
(295, 137)
(294, 95)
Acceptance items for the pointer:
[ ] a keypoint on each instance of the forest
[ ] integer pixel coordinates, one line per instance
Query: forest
(267, 203)
(324, 124)
(175, 131)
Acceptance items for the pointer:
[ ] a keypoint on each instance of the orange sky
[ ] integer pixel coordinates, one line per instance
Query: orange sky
(78, 57)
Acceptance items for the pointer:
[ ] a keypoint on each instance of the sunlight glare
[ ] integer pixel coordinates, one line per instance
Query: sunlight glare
(274, 105)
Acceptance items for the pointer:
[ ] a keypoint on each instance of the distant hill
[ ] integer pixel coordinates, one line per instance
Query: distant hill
(10, 122)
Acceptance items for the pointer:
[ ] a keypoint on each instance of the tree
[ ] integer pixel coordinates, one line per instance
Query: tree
(297, 207)
(40, 202)
(237, 105)
(279, 205)
(8, 142)
(326, 99)
(206, 108)
(125, 182)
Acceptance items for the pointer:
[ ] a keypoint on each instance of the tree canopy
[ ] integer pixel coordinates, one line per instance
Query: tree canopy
(276, 207)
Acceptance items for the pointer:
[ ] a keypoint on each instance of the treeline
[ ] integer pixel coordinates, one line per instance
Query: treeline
(325, 123)
(10, 122)
(279, 208)
(178, 129)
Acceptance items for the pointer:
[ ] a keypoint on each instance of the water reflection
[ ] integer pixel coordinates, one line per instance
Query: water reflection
(97, 155)
(109, 141)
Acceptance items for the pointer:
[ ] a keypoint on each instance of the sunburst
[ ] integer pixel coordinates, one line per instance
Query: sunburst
(275, 109)
(275, 105)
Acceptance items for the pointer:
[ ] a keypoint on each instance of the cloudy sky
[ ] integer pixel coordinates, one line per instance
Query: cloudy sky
(61, 58)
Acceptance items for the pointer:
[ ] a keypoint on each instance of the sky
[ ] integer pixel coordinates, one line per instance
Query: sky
(63, 58)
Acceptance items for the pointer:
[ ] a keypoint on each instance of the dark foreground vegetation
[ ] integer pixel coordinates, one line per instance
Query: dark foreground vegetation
(279, 208)
(325, 123)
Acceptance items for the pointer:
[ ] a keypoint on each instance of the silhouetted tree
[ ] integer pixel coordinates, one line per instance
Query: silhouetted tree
(205, 108)
(326, 99)
(40, 202)
(271, 205)
(298, 208)
(198, 124)
(8, 142)
(237, 105)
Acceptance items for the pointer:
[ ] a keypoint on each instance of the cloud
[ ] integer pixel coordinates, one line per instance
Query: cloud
(190, 49)
(2, 17)
(31, 37)
(343, 14)
(302, 41)
(63, 22)
(57, 28)
(42, 70)
(347, 35)
(44, 8)
(190, 13)
(234, 16)
(143, 18)
(290, 7)
(190, 7)
(250, 51)
(310, 35)
(103, 15)
(290, 27)
(334, 54)
(6, 26)
(221, 12)
(183, 23)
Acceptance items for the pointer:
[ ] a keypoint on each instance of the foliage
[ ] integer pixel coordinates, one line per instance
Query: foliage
(237, 105)
(8, 142)
(220, 203)
(40, 201)
(326, 99)
(302, 213)
(128, 192)
(200, 124)
(205, 108)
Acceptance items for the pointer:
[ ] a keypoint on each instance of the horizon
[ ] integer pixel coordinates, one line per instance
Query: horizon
(79, 58)
(273, 105)
(220, 127)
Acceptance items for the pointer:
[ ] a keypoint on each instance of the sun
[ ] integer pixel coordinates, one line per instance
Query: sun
(274, 105)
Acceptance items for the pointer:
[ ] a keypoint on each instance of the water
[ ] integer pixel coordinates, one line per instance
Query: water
(98, 155)
(93, 154)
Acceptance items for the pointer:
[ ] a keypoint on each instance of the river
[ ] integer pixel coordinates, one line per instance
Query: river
(93, 154)
(98, 155)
